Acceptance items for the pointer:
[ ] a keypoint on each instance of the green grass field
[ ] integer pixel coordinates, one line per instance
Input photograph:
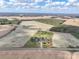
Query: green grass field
(54, 22)
(31, 44)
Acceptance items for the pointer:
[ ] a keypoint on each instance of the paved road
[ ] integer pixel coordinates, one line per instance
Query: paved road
(53, 49)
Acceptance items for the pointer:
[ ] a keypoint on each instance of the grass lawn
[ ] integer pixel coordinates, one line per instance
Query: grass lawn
(31, 44)
(54, 22)
(44, 34)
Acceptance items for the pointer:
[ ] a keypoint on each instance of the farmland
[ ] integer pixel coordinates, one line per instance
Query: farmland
(51, 21)
(40, 37)
(40, 33)
(74, 30)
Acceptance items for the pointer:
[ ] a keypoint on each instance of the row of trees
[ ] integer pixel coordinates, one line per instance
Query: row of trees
(6, 21)
(66, 29)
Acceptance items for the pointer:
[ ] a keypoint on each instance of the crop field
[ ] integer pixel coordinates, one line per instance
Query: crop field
(54, 22)
(74, 30)
(65, 40)
(24, 31)
(76, 35)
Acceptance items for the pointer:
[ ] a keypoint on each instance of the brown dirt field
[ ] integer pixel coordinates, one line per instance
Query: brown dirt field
(35, 54)
(4, 29)
(29, 17)
(73, 22)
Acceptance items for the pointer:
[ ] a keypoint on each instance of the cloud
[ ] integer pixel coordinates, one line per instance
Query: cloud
(38, 0)
(56, 3)
(34, 4)
(3, 4)
(71, 1)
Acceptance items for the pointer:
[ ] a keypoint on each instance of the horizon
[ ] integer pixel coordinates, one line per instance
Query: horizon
(37, 13)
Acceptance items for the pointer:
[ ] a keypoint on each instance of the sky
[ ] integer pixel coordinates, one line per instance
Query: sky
(40, 6)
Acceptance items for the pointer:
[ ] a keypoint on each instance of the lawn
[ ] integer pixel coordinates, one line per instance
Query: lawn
(31, 44)
(54, 22)
(44, 34)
